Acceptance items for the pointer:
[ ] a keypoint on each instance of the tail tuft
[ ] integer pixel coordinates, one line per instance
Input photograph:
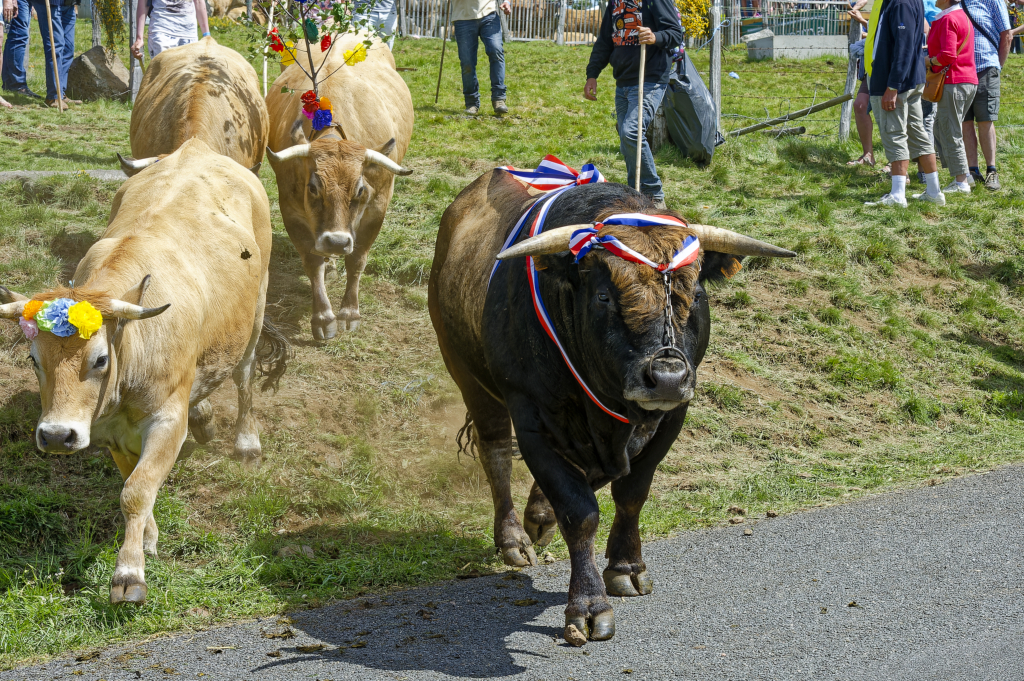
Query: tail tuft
(272, 354)
(464, 439)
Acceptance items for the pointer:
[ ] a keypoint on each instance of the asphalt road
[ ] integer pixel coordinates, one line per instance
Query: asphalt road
(926, 584)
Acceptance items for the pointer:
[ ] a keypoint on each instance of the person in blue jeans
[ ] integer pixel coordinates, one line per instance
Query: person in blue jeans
(473, 20)
(13, 72)
(627, 25)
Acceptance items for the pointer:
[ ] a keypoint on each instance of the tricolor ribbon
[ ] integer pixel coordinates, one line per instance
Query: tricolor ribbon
(552, 174)
(583, 240)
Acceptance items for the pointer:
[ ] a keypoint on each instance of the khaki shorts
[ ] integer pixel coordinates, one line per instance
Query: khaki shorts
(903, 133)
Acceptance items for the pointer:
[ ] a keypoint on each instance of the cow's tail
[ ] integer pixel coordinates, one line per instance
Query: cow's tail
(272, 354)
(464, 439)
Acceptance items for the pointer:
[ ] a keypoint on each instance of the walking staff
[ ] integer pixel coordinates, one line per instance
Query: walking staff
(56, 64)
(448, 20)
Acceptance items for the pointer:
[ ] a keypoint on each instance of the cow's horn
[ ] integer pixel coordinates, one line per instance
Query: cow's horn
(379, 159)
(725, 241)
(12, 310)
(294, 151)
(122, 310)
(135, 164)
(545, 243)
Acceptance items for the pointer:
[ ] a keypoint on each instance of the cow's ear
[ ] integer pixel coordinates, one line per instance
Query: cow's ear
(556, 262)
(387, 147)
(9, 296)
(134, 295)
(717, 267)
(298, 135)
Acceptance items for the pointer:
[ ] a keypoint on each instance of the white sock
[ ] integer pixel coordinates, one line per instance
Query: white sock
(899, 186)
(964, 186)
(931, 180)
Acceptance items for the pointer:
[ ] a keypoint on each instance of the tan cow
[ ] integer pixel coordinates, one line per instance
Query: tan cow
(202, 90)
(192, 236)
(335, 190)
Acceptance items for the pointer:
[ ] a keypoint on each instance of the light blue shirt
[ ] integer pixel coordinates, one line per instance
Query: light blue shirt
(993, 18)
(931, 12)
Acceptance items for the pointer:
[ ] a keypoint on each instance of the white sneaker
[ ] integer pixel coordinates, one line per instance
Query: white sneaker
(938, 200)
(888, 200)
(970, 180)
(958, 187)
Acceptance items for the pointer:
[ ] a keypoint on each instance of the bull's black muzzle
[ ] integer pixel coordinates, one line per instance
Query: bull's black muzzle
(667, 373)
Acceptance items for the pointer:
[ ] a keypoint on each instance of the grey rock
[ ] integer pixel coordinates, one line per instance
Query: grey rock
(295, 550)
(766, 33)
(97, 74)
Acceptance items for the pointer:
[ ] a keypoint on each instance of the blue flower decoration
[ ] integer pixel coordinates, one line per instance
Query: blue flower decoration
(321, 119)
(57, 314)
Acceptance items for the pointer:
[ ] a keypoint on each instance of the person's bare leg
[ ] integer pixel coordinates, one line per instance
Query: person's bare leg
(971, 144)
(987, 140)
(926, 163)
(865, 130)
(901, 167)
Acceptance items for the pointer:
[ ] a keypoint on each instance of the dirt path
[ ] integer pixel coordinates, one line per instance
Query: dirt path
(925, 584)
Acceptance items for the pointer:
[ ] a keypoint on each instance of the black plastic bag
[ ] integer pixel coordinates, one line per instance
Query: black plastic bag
(690, 113)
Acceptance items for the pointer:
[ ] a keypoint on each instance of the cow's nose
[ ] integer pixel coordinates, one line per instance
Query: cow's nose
(667, 375)
(335, 243)
(57, 438)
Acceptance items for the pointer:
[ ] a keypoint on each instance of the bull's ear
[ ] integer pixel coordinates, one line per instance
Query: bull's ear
(255, 170)
(387, 147)
(8, 296)
(135, 294)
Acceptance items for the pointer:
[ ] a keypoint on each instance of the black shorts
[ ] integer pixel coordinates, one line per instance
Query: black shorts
(985, 106)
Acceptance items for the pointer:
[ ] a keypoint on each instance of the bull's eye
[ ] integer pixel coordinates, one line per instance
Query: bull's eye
(314, 185)
(602, 296)
(101, 362)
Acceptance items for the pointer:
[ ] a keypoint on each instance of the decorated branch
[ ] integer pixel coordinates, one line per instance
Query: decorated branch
(292, 29)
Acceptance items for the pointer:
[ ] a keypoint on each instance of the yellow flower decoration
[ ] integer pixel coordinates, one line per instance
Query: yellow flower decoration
(355, 55)
(31, 309)
(288, 56)
(325, 104)
(86, 318)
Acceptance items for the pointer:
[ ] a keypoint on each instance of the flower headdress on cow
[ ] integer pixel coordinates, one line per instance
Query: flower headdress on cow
(294, 31)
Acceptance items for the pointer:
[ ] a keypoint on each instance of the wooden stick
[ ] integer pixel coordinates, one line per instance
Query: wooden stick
(796, 114)
(437, 93)
(640, 116)
(53, 54)
(270, 26)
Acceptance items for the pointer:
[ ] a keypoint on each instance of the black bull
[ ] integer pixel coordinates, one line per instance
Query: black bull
(510, 373)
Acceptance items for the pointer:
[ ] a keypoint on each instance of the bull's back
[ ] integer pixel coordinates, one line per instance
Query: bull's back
(472, 232)
(370, 99)
(200, 225)
(202, 90)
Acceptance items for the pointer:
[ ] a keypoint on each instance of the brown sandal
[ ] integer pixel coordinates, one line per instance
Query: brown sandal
(53, 104)
(862, 161)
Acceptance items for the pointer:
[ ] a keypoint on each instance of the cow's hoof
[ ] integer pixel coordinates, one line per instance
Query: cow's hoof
(599, 627)
(626, 584)
(349, 318)
(247, 447)
(539, 518)
(325, 329)
(519, 557)
(200, 422)
(133, 593)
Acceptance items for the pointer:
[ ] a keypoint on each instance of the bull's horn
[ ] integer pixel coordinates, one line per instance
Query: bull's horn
(12, 310)
(379, 159)
(545, 243)
(725, 241)
(9, 296)
(122, 310)
(130, 165)
(294, 151)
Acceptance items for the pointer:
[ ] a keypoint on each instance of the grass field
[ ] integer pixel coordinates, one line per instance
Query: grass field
(887, 354)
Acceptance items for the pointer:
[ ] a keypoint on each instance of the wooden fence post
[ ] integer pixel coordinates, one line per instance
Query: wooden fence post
(560, 34)
(851, 82)
(95, 12)
(715, 75)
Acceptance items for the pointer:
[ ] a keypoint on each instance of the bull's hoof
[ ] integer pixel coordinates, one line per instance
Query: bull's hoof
(325, 329)
(349, 318)
(133, 593)
(599, 627)
(540, 534)
(200, 422)
(248, 448)
(519, 556)
(626, 584)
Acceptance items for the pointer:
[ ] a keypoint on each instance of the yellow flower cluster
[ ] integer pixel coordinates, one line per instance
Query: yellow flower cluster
(288, 56)
(694, 17)
(111, 14)
(86, 318)
(355, 55)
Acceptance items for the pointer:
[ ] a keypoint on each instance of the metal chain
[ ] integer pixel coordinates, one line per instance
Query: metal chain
(668, 336)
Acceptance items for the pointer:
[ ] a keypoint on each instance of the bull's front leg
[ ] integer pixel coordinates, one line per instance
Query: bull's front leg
(160, 446)
(355, 263)
(626, 574)
(578, 516)
(509, 536)
(324, 325)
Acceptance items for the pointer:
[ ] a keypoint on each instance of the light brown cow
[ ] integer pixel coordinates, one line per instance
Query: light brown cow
(335, 190)
(192, 236)
(202, 90)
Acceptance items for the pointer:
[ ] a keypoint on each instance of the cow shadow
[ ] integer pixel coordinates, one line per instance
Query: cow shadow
(472, 628)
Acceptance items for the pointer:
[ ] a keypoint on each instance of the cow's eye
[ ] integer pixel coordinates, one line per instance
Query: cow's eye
(314, 185)
(602, 296)
(100, 363)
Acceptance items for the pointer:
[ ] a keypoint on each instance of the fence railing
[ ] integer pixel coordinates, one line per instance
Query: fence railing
(577, 22)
